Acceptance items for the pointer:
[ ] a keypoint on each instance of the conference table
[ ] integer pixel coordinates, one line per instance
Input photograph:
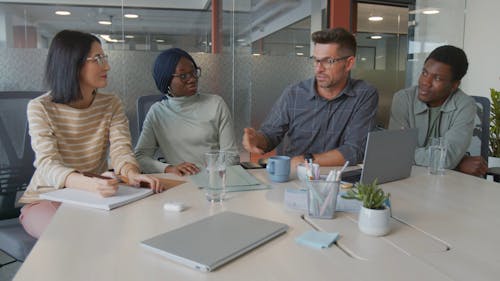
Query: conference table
(443, 228)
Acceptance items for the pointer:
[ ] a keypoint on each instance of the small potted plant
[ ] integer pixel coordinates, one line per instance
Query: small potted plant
(374, 214)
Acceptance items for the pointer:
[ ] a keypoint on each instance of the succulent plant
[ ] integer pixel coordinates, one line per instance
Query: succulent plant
(372, 196)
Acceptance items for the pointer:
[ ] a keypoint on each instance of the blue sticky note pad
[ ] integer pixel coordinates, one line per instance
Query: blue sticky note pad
(316, 239)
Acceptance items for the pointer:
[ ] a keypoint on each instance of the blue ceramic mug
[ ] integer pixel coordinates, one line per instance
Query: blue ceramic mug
(278, 168)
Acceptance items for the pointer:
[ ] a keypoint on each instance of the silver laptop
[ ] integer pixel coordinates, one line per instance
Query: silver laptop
(213, 241)
(389, 156)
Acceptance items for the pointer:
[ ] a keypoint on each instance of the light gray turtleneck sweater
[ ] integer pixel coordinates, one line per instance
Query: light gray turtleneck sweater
(183, 129)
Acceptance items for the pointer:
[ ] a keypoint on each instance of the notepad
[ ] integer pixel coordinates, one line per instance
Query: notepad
(317, 239)
(213, 241)
(237, 179)
(125, 194)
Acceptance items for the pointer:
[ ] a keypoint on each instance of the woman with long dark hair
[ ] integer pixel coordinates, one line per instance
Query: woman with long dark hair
(74, 128)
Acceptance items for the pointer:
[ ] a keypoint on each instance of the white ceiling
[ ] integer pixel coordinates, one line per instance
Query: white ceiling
(181, 17)
(395, 19)
(166, 17)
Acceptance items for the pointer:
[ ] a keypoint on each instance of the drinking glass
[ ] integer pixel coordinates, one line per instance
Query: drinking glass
(215, 167)
(437, 156)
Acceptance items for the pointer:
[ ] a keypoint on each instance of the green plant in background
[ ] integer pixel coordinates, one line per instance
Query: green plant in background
(372, 196)
(495, 123)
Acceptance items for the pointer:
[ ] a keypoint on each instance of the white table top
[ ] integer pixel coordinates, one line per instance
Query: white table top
(448, 229)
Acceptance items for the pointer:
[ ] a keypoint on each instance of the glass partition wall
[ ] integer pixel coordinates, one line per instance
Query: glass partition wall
(382, 36)
(264, 45)
(133, 37)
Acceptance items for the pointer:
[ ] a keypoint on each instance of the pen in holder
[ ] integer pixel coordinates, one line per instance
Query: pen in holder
(322, 194)
(322, 198)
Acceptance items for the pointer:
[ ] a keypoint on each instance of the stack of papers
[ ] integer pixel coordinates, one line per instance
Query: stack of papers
(125, 194)
(237, 179)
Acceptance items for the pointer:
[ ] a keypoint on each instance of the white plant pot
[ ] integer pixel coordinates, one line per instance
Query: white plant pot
(374, 222)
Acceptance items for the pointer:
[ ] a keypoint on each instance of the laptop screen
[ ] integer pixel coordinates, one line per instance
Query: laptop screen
(389, 156)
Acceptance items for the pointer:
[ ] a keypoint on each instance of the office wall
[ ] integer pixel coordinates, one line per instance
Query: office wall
(434, 30)
(482, 45)
(469, 24)
(257, 81)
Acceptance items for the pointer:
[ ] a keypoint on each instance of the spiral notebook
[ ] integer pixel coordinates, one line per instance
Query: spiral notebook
(225, 236)
(125, 195)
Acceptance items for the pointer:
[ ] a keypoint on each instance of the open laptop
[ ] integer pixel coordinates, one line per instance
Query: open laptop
(389, 156)
(213, 241)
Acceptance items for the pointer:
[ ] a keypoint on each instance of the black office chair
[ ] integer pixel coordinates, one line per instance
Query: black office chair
(481, 133)
(16, 170)
(143, 105)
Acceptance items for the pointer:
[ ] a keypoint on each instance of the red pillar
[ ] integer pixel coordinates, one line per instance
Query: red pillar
(342, 13)
(216, 26)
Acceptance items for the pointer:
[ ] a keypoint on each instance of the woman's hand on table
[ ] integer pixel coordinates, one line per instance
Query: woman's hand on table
(183, 169)
(103, 185)
(137, 179)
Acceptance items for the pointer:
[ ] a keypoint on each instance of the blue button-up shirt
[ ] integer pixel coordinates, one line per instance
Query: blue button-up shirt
(313, 124)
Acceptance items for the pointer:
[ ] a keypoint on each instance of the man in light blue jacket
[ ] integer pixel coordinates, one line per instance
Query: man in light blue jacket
(438, 108)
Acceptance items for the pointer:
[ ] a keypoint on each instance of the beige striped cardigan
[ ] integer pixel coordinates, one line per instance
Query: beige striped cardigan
(66, 139)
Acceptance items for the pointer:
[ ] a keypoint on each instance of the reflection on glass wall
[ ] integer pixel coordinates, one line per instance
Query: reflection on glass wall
(133, 37)
(433, 23)
(264, 45)
(293, 40)
(145, 29)
(382, 49)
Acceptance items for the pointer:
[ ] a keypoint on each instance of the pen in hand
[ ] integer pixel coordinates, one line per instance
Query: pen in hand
(105, 186)
(92, 175)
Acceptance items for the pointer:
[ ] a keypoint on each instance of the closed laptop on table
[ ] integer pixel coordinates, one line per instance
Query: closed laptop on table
(389, 156)
(213, 241)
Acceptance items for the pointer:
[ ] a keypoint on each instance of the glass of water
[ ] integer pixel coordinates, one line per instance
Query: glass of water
(437, 156)
(215, 167)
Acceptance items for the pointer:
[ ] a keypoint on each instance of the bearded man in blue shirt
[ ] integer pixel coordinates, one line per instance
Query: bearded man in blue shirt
(326, 118)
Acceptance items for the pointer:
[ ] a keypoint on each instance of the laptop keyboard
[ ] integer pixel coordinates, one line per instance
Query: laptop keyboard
(352, 176)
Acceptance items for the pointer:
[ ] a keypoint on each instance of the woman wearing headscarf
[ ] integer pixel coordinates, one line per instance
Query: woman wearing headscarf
(185, 124)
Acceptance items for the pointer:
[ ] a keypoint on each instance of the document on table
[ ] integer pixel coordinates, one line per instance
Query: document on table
(125, 194)
(237, 179)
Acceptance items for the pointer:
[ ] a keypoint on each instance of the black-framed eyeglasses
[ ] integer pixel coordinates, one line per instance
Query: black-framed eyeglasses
(186, 76)
(327, 62)
(99, 59)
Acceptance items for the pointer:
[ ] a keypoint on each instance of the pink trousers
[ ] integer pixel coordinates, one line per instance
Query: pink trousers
(36, 216)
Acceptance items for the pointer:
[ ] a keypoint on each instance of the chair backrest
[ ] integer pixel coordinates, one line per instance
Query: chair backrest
(481, 134)
(16, 155)
(143, 105)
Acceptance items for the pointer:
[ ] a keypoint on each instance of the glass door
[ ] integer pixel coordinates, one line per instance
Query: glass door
(382, 37)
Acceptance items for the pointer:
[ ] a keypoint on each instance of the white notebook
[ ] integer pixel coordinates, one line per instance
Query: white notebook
(125, 194)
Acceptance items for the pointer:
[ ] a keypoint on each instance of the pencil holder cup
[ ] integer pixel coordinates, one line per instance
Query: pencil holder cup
(322, 198)
(302, 170)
